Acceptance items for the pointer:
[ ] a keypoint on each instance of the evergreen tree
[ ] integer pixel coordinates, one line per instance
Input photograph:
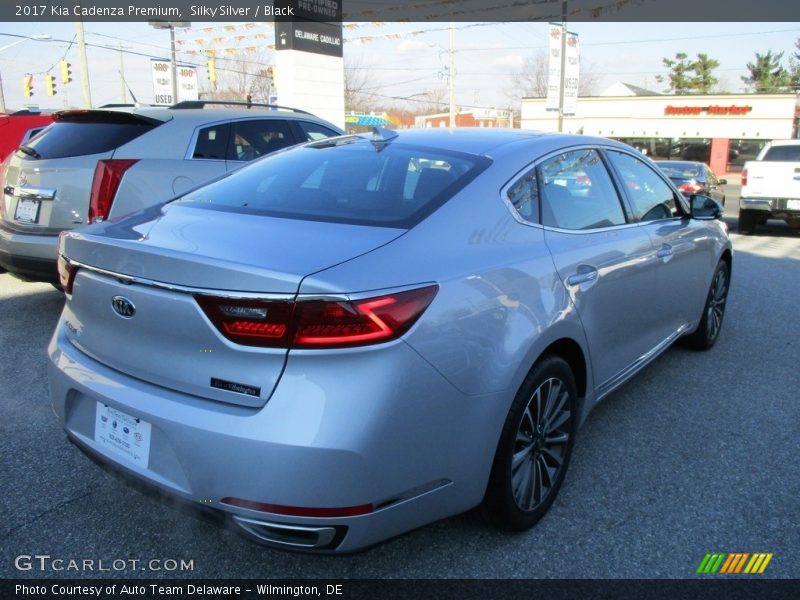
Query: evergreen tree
(767, 74)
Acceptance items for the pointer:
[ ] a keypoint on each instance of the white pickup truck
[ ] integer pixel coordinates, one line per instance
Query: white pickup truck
(771, 186)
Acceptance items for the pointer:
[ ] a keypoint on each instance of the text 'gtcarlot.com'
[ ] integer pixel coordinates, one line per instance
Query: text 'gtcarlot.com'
(45, 562)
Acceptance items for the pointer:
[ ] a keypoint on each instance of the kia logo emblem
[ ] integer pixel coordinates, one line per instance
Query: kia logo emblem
(123, 307)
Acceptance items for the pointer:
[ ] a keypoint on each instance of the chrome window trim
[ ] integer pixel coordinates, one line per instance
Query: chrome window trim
(535, 164)
(231, 121)
(679, 197)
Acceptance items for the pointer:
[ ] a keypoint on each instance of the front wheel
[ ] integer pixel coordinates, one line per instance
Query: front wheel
(534, 448)
(706, 334)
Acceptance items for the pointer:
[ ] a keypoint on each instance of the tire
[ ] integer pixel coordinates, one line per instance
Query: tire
(707, 332)
(747, 221)
(534, 448)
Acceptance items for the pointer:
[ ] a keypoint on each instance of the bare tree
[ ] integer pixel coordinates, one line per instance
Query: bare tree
(432, 101)
(241, 76)
(358, 87)
(530, 81)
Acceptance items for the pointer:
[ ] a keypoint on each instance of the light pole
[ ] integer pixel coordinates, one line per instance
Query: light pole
(172, 25)
(39, 38)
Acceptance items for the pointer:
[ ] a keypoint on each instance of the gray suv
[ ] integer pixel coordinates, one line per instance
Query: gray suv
(92, 165)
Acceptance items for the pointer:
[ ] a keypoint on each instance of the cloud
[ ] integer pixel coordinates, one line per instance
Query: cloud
(509, 61)
(411, 47)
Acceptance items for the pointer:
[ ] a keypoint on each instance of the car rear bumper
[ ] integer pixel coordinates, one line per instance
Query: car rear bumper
(333, 436)
(778, 207)
(29, 256)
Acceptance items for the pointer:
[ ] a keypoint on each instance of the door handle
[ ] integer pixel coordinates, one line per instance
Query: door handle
(665, 251)
(585, 274)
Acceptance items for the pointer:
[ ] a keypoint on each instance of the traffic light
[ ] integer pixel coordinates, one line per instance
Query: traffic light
(27, 85)
(50, 84)
(65, 72)
(211, 66)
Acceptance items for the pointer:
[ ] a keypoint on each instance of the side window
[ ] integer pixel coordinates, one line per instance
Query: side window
(212, 142)
(313, 131)
(577, 192)
(651, 197)
(524, 197)
(251, 139)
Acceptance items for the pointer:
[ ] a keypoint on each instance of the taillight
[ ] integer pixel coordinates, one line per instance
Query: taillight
(744, 176)
(107, 177)
(691, 187)
(317, 323)
(66, 274)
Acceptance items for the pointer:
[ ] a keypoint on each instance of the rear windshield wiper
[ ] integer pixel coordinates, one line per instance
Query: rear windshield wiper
(29, 151)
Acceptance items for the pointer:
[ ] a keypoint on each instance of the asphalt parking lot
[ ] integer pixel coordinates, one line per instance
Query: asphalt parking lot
(698, 454)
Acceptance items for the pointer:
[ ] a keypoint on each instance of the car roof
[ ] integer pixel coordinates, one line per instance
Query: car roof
(198, 115)
(479, 140)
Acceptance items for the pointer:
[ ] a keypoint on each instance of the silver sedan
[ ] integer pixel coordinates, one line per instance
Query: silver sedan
(353, 338)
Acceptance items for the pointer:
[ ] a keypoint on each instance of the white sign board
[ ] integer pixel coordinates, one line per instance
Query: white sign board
(554, 67)
(571, 70)
(571, 74)
(162, 82)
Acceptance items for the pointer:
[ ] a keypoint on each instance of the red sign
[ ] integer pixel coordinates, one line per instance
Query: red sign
(711, 110)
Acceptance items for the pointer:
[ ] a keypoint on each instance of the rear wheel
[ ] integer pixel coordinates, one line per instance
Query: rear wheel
(534, 449)
(747, 221)
(713, 312)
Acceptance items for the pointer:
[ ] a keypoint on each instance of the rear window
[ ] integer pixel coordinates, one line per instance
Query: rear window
(349, 181)
(783, 154)
(75, 138)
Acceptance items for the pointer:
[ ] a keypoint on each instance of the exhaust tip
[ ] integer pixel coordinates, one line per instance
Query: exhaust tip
(298, 537)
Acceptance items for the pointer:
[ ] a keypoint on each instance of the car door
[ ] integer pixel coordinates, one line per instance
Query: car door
(605, 261)
(681, 243)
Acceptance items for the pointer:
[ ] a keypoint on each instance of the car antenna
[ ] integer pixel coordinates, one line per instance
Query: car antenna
(382, 136)
(130, 91)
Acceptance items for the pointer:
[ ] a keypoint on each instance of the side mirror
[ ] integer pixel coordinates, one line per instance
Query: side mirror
(705, 208)
(723, 182)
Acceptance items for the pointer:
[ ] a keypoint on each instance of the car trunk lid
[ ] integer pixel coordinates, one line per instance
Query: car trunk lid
(155, 268)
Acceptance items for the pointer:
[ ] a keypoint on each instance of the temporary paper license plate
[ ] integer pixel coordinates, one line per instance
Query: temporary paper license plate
(27, 211)
(793, 204)
(122, 434)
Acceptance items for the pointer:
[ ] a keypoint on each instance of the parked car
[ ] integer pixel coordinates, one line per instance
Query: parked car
(694, 178)
(20, 126)
(93, 165)
(362, 335)
(771, 187)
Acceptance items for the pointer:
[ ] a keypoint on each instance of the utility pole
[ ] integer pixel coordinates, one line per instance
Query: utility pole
(84, 64)
(123, 90)
(563, 66)
(452, 73)
(173, 65)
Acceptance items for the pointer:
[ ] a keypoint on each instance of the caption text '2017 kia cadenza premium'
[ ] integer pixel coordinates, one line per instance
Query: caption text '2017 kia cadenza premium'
(353, 338)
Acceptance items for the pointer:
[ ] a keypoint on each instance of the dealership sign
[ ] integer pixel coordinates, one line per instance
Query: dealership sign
(571, 70)
(711, 110)
(162, 82)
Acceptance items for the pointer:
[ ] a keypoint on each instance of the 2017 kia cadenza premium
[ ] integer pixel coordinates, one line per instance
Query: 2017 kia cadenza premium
(365, 334)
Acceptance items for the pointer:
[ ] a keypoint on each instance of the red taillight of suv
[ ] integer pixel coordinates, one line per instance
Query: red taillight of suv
(744, 176)
(107, 177)
(317, 323)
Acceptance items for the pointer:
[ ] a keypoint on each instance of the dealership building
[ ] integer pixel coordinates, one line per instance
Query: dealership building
(723, 130)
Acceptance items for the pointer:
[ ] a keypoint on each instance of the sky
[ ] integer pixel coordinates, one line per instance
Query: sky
(398, 60)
